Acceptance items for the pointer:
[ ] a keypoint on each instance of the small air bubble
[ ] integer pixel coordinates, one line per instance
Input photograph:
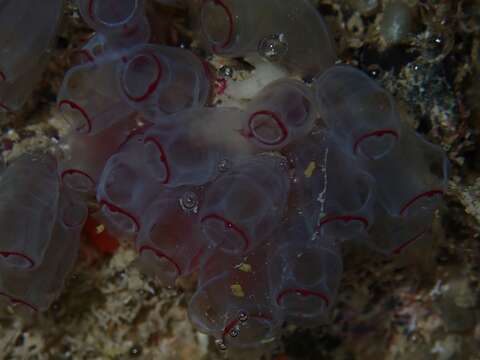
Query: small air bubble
(273, 47)
(189, 202)
(235, 331)
(242, 316)
(225, 71)
(224, 165)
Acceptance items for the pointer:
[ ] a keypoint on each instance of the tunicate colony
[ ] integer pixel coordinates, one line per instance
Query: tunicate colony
(257, 200)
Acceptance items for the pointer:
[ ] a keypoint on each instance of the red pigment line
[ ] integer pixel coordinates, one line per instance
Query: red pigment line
(427, 194)
(344, 218)
(5, 107)
(161, 254)
(163, 157)
(90, 10)
(77, 107)
(76, 171)
(377, 133)
(20, 255)
(303, 292)
(227, 42)
(151, 87)
(230, 225)
(18, 301)
(275, 118)
(116, 209)
(87, 54)
(399, 249)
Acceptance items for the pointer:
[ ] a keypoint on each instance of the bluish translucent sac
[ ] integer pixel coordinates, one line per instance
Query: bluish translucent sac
(170, 243)
(290, 32)
(28, 205)
(194, 147)
(360, 113)
(243, 207)
(24, 53)
(412, 178)
(90, 99)
(36, 288)
(343, 193)
(125, 188)
(233, 301)
(160, 80)
(282, 112)
(122, 23)
(304, 272)
(86, 155)
(392, 234)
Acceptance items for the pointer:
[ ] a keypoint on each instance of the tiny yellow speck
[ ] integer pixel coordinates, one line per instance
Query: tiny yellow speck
(244, 267)
(310, 169)
(100, 228)
(237, 290)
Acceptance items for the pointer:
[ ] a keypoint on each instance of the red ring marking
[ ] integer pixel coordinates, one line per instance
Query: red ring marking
(6, 254)
(230, 225)
(151, 87)
(377, 133)
(77, 107)
(275, 118)
(304, 293)
(427, 194)
(163, 157)
(400, 248)
(215, 47)
(18, 301)
(76, 171)
(116, 209)
(345, 218)
(161, 254)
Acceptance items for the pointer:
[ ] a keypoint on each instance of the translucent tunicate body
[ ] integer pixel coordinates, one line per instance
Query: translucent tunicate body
(90, 99)
(291, 32)
(194, 147)
(421, 190)
(282, 112)
(332, 188)
(244, 206)
(304, 272)
(86, 155)
(233, 301)
(28, 205)
(24, 53)
(36, 288)
(125, 188)
(160, 80)
(361, 114)
(122, 22)
(170, 242)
